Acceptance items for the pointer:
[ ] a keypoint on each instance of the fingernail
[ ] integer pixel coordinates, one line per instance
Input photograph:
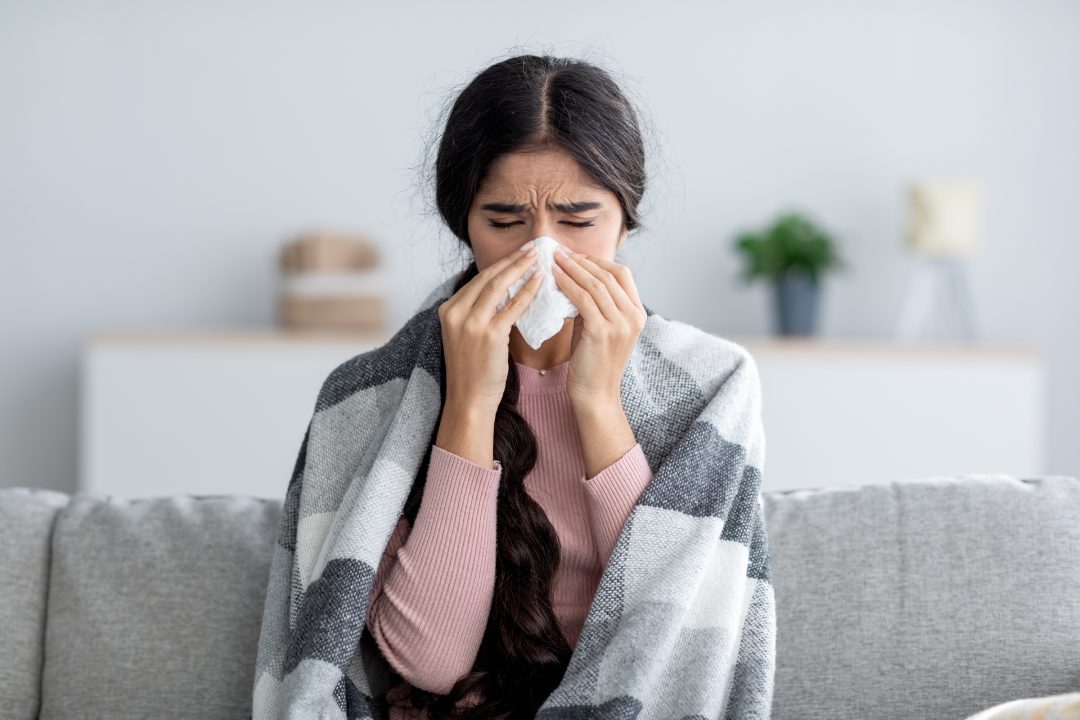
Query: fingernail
(529, 244)
(531, 252)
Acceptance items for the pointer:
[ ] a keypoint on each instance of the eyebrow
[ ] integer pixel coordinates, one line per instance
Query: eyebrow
(570, 207)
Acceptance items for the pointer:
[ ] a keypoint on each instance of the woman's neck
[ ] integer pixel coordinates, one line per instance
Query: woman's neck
(553, 351)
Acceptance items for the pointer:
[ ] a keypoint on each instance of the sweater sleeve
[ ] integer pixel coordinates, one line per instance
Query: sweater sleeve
(434, 585)
(612, 494)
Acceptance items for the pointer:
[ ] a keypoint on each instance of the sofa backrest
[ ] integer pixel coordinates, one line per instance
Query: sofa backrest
(933, 597)
(927, 598)
(26, 520)
(154, 606)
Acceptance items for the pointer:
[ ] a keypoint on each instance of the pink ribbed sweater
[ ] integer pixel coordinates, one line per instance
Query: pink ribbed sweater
(434, 585)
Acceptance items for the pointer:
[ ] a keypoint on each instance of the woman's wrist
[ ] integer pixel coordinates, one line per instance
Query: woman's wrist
(605, 433)
(468, 431)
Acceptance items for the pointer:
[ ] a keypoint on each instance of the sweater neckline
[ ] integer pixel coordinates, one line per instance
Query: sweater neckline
(549, 381)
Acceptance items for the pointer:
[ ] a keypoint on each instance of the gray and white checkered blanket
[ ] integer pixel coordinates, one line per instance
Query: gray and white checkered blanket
(683, 621)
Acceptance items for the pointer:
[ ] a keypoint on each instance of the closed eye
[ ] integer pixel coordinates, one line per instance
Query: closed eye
(503, 226)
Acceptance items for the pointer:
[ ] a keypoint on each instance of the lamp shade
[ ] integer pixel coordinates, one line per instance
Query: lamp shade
(945, 217)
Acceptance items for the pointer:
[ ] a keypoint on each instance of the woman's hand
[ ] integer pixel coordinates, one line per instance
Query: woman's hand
(610, 318)
(476, 338)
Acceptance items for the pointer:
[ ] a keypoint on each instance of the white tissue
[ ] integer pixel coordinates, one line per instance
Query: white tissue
(549, 307)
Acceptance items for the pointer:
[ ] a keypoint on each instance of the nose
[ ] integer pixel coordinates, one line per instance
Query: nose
(546, 224)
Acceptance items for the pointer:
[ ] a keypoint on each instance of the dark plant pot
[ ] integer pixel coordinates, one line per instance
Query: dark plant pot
(796, 303)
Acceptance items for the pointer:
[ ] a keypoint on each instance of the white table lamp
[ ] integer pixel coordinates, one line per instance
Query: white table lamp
(945, 227)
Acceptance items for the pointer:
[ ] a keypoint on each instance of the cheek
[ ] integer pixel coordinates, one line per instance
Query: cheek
(607, 234)
(605, 243)
(484, 248)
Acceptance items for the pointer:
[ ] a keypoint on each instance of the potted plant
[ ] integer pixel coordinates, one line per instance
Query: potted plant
(794, 253)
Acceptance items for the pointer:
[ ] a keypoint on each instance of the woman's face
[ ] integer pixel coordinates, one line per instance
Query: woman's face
(533, 194)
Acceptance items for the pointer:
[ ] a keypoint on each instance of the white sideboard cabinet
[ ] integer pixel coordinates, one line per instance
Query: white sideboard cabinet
(224, 411)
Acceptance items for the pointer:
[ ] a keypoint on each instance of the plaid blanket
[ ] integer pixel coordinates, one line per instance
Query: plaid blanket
(683, 621)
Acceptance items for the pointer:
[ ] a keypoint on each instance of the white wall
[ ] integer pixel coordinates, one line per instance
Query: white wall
(153, 157)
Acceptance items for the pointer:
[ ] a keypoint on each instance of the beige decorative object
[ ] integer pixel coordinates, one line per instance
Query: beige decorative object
(324, 250)
(331, 282)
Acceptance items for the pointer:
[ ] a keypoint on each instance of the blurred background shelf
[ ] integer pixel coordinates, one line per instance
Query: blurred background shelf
(841, 412)
(228, 409)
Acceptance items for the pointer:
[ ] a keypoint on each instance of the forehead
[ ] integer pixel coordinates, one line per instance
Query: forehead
(525, 173)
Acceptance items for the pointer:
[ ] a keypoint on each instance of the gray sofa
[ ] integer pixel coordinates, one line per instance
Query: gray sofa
(921, 598)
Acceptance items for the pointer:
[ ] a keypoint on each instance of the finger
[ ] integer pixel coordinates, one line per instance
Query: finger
(623, 274)
(517, 304)
(615, 289)
(582, 298)
(593, 286)
(497, 288)
(471, 291)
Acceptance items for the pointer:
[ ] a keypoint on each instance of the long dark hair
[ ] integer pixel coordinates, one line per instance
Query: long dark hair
(528, 102)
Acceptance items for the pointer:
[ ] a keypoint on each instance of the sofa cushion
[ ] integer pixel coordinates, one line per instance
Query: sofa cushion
(155, 606)
(929, 598)
(26, 521)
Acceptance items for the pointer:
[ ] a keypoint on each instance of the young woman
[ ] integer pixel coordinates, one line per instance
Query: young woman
(533, 469)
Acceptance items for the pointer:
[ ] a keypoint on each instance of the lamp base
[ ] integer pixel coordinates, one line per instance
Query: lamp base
(916, 306)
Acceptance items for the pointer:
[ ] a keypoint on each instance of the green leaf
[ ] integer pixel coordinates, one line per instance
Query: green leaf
(791, 243)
